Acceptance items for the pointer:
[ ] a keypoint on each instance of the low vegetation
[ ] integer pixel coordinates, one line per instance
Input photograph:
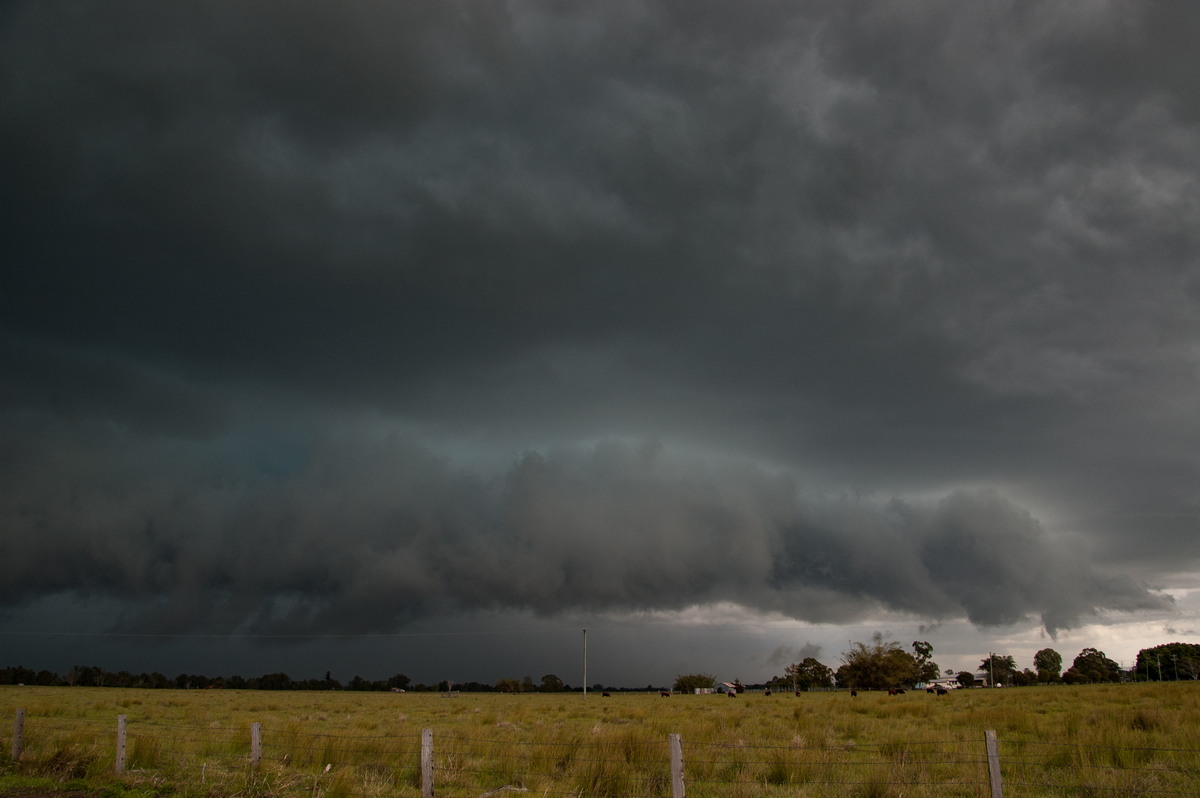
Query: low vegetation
(1128, 739)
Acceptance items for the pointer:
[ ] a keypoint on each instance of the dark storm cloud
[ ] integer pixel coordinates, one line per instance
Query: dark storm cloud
(368, 534)
(892, 248)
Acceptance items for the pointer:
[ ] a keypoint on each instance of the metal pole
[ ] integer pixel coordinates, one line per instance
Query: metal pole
(585, 663)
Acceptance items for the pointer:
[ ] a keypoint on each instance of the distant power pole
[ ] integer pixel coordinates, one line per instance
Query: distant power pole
(585, 663)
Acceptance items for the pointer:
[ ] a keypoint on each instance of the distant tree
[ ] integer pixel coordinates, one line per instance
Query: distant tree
(688, 682)
(1000, 668)
(808, 674)
(275, 681)
(1025, 678)
(86, 676)
(927, 669)
(966, 678)
(476, 687)
(508, 685)
(398, 682)
(879, 665)
(18, 675)
(1169, 662)
(1092, 666)
(1048, 663)
(551, 684)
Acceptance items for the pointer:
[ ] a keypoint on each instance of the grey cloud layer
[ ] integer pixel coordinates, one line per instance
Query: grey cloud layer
(365, 536)
(895, 247)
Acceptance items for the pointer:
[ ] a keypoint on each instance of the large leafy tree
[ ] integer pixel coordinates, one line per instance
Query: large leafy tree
(1001, 668)
(1169, 662)
(1048, 664)
(1092, 666)
(688, 682)
(808, 674)
(927, 669)
(879, 665)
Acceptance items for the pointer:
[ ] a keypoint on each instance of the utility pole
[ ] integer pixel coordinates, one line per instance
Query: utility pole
(585, 663)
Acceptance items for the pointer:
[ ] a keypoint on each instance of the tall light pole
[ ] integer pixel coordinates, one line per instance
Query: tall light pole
(585, 663)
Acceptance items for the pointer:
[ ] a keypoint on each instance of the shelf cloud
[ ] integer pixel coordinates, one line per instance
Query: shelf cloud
(325, 320)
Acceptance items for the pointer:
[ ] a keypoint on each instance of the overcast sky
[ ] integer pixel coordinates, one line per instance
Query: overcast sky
(426, 334)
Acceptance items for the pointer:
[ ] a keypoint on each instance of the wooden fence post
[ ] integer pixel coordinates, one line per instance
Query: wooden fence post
(677, 788)
(18, 741)
(993, 758)
(255, 745)
(426, 763)
(120, 765)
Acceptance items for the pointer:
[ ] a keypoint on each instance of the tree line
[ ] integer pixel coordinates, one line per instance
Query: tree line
(883, 665)
(876, 665)
(93, 676)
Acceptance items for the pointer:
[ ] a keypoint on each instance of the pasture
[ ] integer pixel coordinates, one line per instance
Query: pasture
(1136, 739)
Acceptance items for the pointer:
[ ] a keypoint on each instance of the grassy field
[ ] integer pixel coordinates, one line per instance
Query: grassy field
(1054, 741)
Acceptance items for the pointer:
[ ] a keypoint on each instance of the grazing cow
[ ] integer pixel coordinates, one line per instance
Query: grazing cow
(942, 690)
(732, 694)
(766, 691)
(606, 695)
(665, 693)
(853, 693)
(891, 691)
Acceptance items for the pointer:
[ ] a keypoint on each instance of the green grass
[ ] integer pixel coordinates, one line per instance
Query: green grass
(1054, 741)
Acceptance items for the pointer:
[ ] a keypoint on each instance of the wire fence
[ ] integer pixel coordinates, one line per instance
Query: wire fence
(249, 759)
